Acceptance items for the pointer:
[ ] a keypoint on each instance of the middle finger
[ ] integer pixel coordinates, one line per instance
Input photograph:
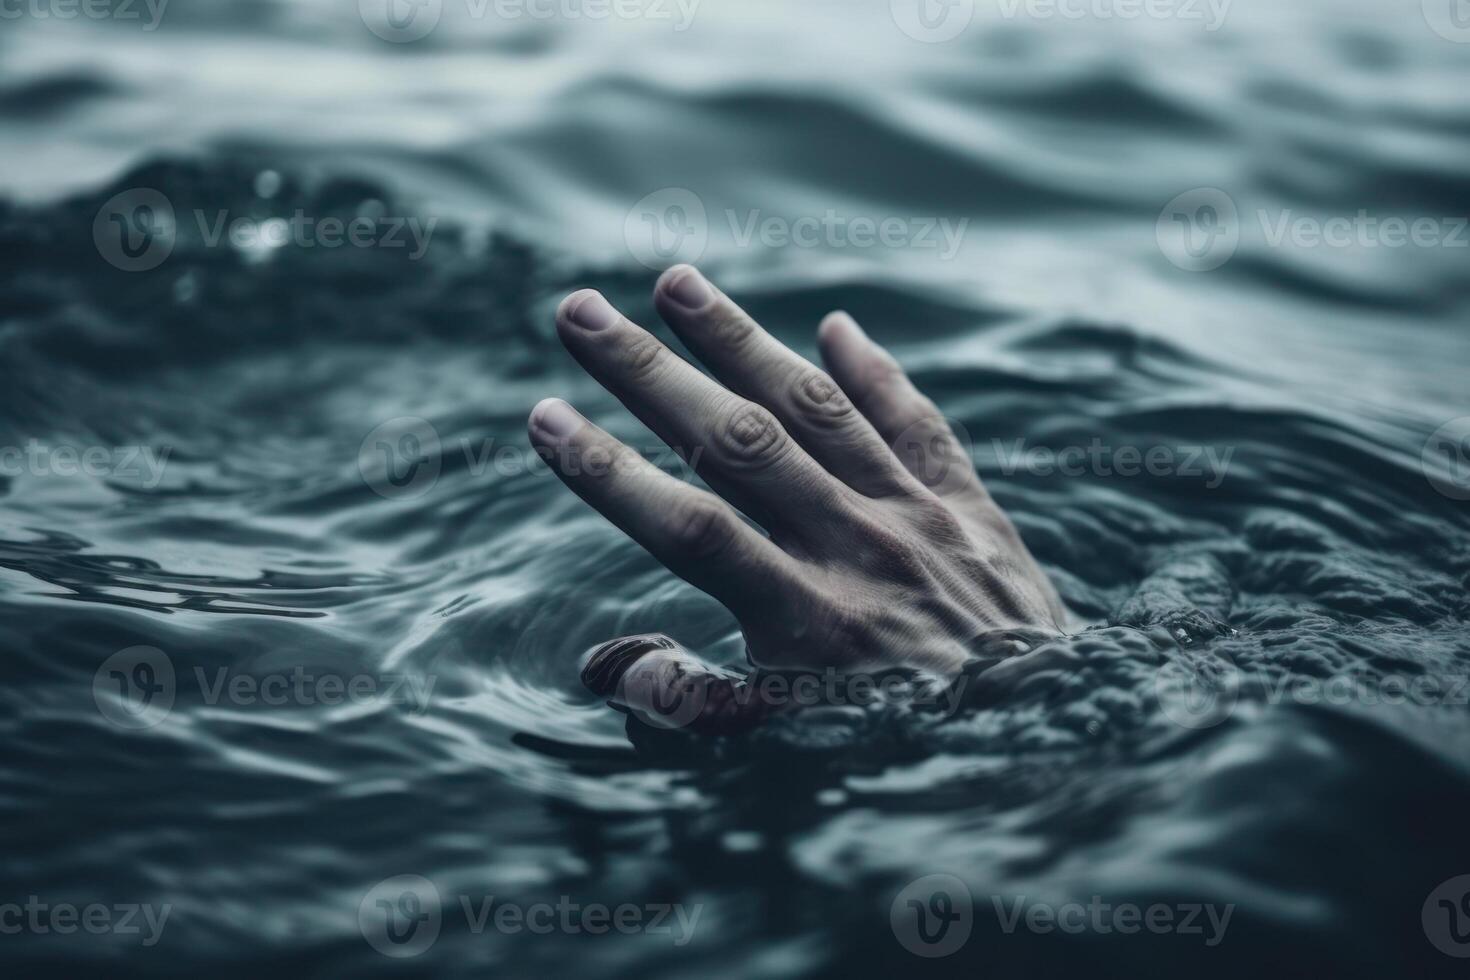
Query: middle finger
(736, 445)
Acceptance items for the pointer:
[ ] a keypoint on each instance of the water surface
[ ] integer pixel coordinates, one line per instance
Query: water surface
(1317, 520)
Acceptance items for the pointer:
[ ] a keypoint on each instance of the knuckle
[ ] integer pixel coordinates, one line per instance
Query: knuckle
(732, 328)
(884, 373)
(644, 358)
(818, 398)
(702, 529)
(752, 435)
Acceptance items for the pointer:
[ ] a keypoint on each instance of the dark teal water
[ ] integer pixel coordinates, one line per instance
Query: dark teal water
(237, 518)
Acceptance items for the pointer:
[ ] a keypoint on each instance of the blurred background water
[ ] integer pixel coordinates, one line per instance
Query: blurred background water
(236, 457)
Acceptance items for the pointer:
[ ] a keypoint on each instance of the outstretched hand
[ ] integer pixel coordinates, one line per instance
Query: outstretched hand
(881, 549)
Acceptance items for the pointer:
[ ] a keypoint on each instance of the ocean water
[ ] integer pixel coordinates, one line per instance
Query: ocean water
(291, 618)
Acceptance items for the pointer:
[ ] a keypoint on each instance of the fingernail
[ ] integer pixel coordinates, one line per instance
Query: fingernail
(688, 288)
(604, 666)
(592, 311)
(556, 418)
(842, 316)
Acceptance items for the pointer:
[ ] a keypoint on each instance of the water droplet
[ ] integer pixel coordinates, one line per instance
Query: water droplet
(267, 184)
(742, 841)
(186, 287)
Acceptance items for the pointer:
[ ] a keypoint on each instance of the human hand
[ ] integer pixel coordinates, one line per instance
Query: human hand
(882, 550)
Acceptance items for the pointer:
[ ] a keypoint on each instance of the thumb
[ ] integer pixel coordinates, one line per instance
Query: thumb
(658, 681)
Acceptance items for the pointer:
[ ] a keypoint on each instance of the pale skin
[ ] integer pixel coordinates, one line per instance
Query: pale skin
(867, 541)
